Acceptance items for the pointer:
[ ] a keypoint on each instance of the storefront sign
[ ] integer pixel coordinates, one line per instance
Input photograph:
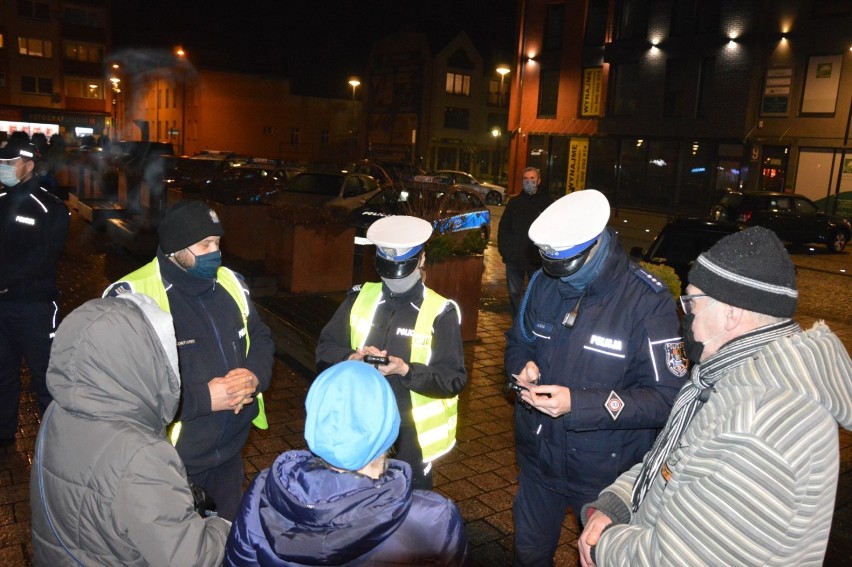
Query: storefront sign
(591, 101)
(578, 158)
(776, 92)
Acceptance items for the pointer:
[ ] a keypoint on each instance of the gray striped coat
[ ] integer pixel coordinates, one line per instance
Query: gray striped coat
(754, 478)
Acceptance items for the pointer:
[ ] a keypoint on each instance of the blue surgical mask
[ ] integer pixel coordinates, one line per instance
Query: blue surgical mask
(206, 265)
(9, 175)
(530, 186)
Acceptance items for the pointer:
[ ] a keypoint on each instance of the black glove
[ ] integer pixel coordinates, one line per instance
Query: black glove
(203, 502)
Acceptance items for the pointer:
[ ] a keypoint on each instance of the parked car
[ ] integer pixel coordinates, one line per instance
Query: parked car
(491, 193)
(794, 218)
(191, 174)
(386, 172)
(680, 242)
(458, 210)
(347, 190)
(248, 183)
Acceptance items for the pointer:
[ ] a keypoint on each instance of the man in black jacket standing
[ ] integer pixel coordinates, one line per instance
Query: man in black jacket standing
(33, 230)
(517, 250)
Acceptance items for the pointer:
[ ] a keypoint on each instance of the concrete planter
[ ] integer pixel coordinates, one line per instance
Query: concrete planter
(246, 230)
(310, 258)
(460, 278)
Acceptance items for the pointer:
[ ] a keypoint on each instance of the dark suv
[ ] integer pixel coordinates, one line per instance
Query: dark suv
(681, 241)
(794, 218)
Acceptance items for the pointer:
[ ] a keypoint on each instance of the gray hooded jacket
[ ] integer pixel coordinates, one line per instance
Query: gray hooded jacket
(106, 487)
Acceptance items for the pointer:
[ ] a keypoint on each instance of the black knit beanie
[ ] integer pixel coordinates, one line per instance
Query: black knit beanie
(185, 223)
(749, 269)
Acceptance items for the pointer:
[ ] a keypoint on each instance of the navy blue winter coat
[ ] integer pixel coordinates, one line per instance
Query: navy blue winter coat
(622, 361)
(300, 512)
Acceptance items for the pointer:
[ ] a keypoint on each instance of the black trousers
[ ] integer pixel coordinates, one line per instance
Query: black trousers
(26, 333)
(224, 484)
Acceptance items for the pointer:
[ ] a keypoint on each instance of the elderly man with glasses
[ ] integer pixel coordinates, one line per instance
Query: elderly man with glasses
(745, 471)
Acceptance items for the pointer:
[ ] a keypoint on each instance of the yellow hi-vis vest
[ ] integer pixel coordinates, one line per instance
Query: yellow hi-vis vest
(435, 419)
(147, 280)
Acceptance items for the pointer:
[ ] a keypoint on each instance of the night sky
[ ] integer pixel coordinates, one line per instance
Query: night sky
(318, 44)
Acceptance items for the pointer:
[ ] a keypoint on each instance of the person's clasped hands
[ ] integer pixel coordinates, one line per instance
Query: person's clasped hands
(233, 391)
(395, 364)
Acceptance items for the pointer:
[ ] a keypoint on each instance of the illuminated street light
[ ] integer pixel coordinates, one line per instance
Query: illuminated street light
(503, 70)
(182, 61)
(498, 152)
(355, 83)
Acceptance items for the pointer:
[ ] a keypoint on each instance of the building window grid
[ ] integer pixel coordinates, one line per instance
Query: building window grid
(79, 87)
(34, 10)
(458, 84)
(83, 52)
(35, 47)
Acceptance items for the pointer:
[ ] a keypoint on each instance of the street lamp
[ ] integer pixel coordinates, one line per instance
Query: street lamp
(355, 83)
(498, 152)
(502, 69)
(182, 59)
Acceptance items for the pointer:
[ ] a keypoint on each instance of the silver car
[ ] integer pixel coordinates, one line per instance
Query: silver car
(492, 194)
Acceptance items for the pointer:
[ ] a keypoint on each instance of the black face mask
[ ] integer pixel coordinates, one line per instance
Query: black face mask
(691, 347)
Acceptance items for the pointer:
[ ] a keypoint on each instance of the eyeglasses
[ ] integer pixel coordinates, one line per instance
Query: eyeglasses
(687, 302)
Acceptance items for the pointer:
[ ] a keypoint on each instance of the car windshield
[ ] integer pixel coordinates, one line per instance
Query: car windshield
(316, 184)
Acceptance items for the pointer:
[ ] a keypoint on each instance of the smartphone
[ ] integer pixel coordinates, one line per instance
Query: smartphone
(513, 384)
(376, 359)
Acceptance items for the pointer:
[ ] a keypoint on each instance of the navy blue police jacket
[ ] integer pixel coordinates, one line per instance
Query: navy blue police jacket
(33, 229)
(623, 361)
(210, 343)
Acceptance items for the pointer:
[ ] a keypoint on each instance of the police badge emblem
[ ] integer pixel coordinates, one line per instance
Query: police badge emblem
(676, 358)
(614, 404)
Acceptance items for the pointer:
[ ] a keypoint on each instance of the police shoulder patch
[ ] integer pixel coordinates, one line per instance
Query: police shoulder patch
(676, 358)
(650, 279)
(614, 405)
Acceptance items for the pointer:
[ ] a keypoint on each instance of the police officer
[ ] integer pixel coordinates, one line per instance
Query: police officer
(33, 230)
(417, 330)
(225, 351)
(596, 356)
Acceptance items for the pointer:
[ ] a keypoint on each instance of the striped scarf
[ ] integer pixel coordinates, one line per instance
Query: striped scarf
(697, 391)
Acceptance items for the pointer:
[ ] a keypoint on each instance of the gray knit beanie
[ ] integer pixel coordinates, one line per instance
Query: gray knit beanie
(749, 269)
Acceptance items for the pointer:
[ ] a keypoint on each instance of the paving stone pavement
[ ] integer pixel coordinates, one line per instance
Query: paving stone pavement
(480, 474)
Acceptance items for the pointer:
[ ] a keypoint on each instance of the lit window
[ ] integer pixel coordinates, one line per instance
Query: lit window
(2, 44)
(83, 52)
(35, 47)
(458, 84)
(78, 87)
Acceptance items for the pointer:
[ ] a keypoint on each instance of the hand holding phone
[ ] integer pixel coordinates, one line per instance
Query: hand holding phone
(375, 359)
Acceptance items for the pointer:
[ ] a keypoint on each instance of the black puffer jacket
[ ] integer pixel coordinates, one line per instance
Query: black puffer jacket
(513, 240)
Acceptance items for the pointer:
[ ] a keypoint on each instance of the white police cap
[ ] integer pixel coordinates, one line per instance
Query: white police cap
(399, 237)
(571, 223)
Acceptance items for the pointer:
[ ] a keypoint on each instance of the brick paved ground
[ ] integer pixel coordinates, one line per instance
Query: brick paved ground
(480, 474)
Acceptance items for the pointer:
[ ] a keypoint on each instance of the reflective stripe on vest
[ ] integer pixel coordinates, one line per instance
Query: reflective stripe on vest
(435, 419)
(148, 280)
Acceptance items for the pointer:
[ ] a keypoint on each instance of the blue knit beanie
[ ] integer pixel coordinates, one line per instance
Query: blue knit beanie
(352, 416)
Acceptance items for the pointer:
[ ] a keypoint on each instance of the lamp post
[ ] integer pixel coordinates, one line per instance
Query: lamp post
(501, 99)
(355, 83)
(182, 61)
(498, 152)
(115, 92)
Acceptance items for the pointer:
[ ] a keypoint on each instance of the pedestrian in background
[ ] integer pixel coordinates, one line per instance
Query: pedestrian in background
(106, 487)
(417, 330)
(596, 354)
(33, 229)
(226, 351)
(513, 242)
(345, 502)
(745, 471)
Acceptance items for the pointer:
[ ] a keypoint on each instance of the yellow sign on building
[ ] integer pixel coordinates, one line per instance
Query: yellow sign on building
(591, 102)
(578, 156)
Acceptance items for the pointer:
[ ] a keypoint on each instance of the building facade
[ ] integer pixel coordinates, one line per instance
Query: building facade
(51, 67)
(666, 104)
